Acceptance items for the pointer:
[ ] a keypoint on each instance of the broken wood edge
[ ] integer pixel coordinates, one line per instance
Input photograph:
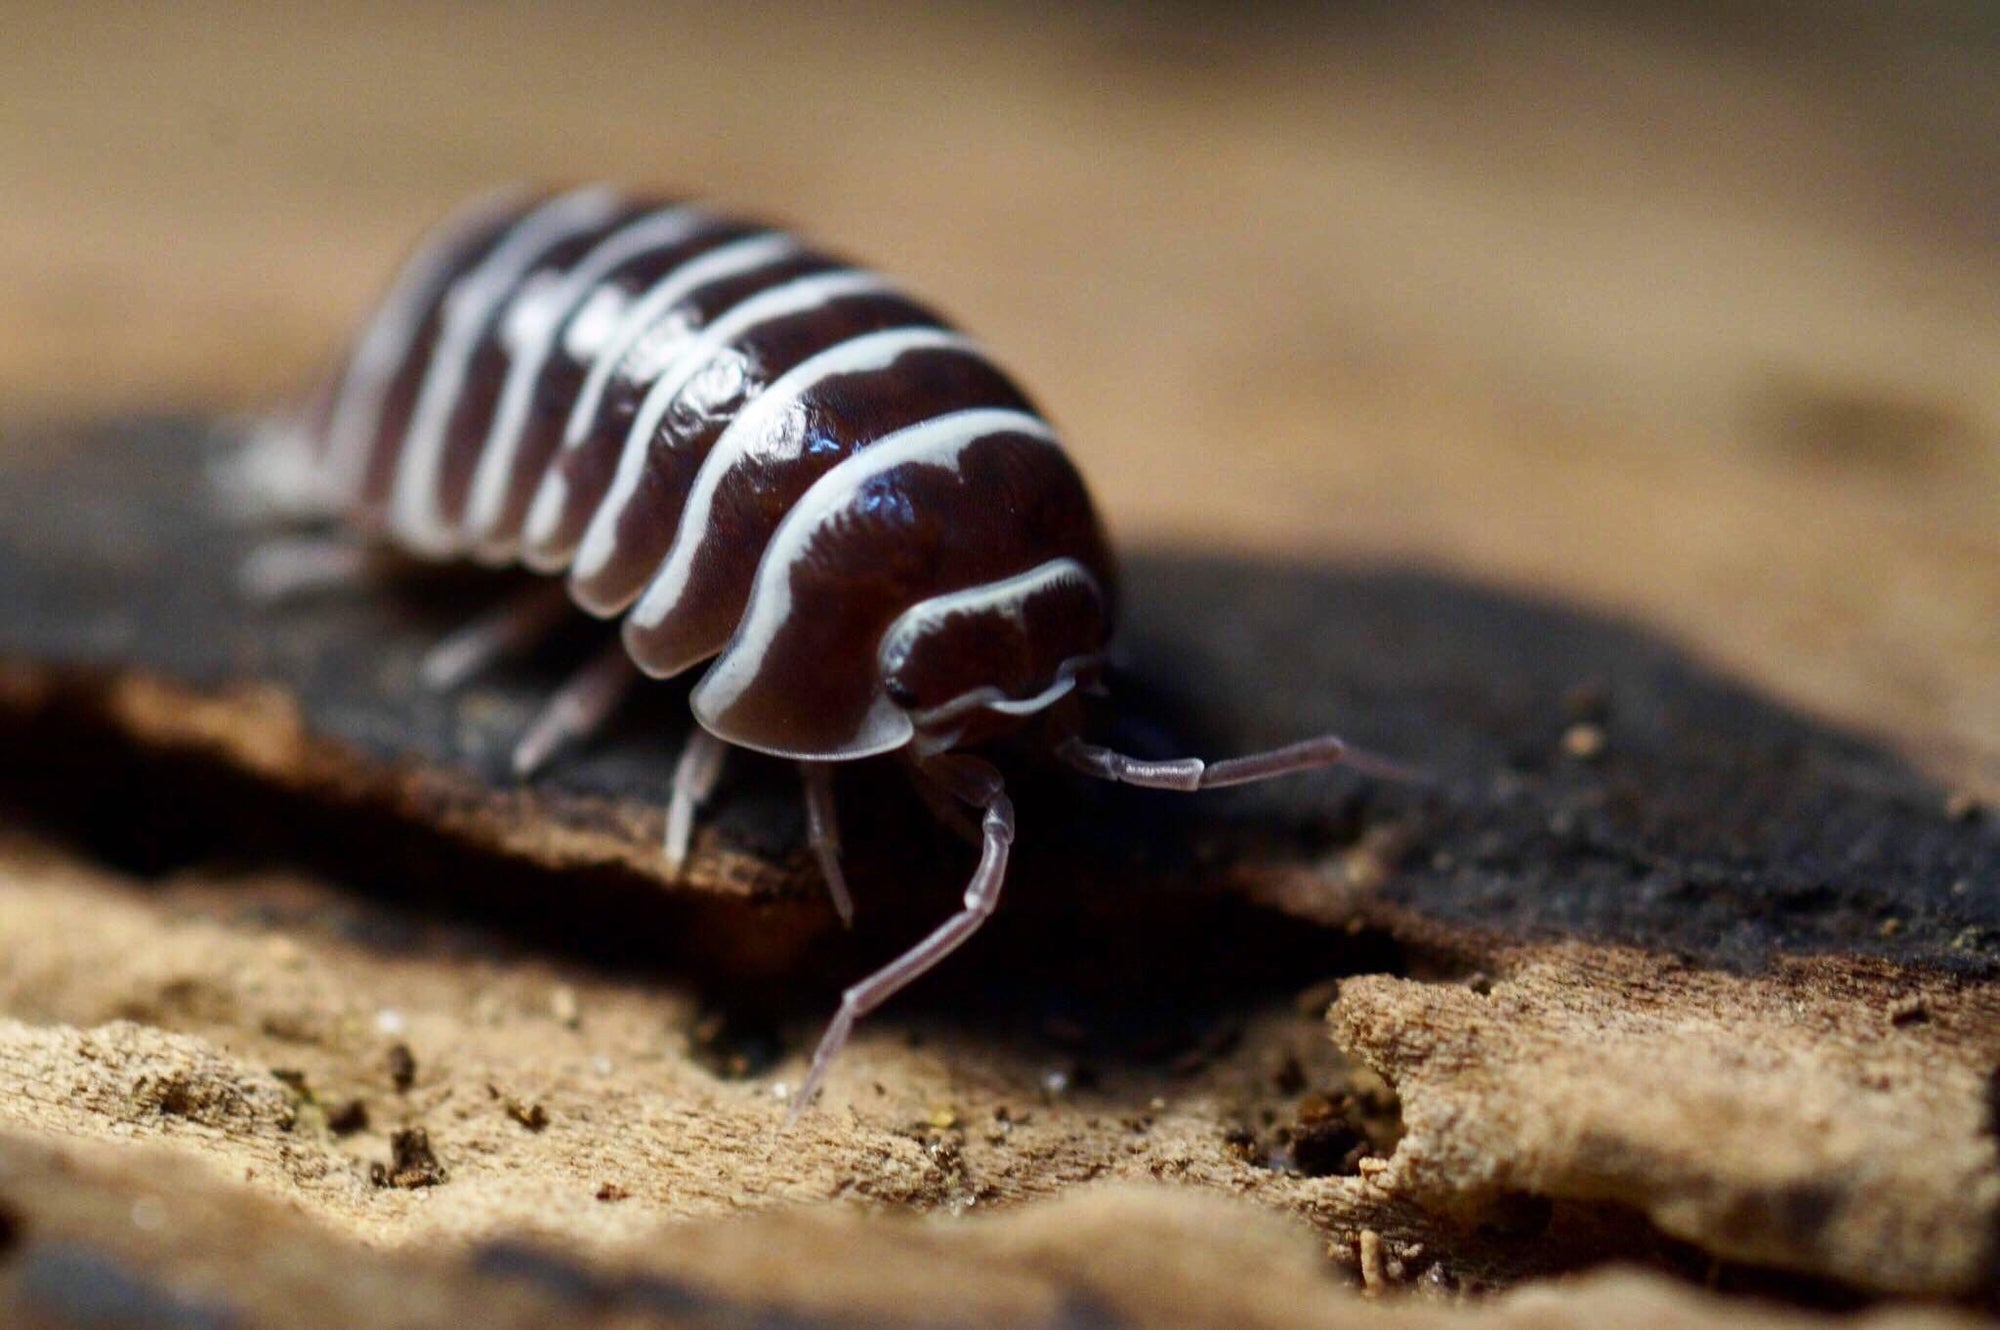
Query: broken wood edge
(1578, 1144)
(258, 730)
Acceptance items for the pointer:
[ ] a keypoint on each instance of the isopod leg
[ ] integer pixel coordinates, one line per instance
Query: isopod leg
(288, 567)
(978, 784)
(1192, 773)
(694, 780)
(578, 708)
(823, 828)
(514, 625)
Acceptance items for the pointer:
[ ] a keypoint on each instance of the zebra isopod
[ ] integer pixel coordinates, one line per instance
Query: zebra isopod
(758, 457)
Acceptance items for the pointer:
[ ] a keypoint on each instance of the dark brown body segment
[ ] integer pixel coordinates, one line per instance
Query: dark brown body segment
(696, 419)
(1016, 651)
(836, 418)
(469, 421)
(587, 467)
(486, 371)
(562, 375)
(399, 397)
(918, 530)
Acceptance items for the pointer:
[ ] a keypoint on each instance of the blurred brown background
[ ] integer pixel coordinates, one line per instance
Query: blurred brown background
(1690, 314)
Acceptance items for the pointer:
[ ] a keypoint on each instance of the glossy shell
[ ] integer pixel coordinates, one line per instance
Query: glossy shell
(751, 450)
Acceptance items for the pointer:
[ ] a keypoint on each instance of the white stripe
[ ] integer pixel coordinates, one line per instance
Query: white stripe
(758, 251)
(1009, 595)
(467, 310)
(655, 230)
(795, 297)
(928, 739)
(935, 442)
(992, 699)
(754, 427)
(545, 510)
(382, 348)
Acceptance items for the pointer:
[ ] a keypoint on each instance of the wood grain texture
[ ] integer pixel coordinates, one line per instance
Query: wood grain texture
(1110, 1257)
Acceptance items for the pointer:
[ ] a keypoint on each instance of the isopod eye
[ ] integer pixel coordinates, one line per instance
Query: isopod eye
(901, 693)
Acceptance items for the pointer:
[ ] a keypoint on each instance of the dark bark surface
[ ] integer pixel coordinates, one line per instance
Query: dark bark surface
(1584, 779)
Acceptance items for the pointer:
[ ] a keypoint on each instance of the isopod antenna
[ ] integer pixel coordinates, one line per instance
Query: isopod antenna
(1192, 773)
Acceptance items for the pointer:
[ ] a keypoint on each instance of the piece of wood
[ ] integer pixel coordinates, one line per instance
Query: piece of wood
(90, 1239)
(1581, 779)
(1588, 787)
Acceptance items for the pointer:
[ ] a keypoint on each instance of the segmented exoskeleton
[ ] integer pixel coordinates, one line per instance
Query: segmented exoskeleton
(756, 454)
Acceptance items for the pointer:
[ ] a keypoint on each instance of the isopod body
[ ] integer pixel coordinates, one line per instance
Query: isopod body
(760, 457)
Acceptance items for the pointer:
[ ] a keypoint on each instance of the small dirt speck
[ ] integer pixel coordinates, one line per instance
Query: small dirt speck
(532, 1116)
(402, 1067)
(348, 1118)
(611, 1191)
(411, 1164)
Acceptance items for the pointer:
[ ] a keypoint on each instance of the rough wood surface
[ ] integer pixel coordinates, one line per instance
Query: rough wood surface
(1824, 1116)
(1580, 777)
(89, 1240)
(1795, 1079)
